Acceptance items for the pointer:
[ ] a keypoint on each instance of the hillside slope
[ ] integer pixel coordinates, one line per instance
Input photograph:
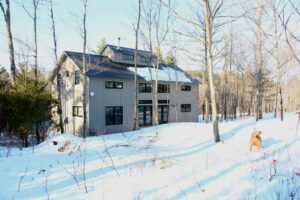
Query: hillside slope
(175, 161)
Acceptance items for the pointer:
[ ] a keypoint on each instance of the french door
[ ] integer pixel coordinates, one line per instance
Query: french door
(163, 111)
(145, 115)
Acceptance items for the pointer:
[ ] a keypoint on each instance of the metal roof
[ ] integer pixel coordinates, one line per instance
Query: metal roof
(102, 67)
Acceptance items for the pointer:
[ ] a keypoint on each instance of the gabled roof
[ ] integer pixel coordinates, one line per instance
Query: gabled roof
(102, 67)
(129, 51)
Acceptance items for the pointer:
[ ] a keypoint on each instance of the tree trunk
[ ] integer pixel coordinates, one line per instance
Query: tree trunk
(206, 109)
(35, 5)
(259, 63)
(135, 125)
(59, 107)
(84, 71)
(208, 26)
(155, 93)
(6, 14)
(37, 134)
(281, 104)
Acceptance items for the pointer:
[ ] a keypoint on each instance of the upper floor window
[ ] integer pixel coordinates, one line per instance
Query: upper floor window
(145, 87)
(186, 88)
(145, 101)
(113, 85)
(144, 59)
(127, 57)
(186, 108)
(77, 111)
(163, 88)
(67, 74)
(77, 77)
(163, 101)
(58, 79)
(114, 115)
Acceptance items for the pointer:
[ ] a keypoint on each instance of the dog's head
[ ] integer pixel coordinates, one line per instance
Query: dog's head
(256, 133)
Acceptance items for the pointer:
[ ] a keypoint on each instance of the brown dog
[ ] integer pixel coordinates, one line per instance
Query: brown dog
(255, 139)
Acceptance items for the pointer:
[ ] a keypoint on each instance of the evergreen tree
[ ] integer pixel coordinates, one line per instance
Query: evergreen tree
(24, 105)
(101, 45)
(170, 59)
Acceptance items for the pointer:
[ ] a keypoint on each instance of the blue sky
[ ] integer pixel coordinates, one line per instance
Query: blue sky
(106, 19)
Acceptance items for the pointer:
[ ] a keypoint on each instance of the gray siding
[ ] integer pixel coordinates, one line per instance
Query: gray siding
(110, 97)
(71, 96)
(183, 97)
(96, 119)
(125, 97)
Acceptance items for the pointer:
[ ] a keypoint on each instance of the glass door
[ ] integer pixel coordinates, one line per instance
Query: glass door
(163, 111)
(145, 115)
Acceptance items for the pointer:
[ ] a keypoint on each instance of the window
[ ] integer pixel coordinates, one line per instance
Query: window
(114, 115)
(163, 101)
(67, 73)
(127, 57)
(145, 101)
(113, 85)
(185, 107)
(77, 111)
(186, 88)
(58, 79)
(163, 88)
(77, 77)
(144, 59)
(145, 87)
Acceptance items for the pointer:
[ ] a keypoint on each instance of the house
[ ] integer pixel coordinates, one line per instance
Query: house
(110, 95)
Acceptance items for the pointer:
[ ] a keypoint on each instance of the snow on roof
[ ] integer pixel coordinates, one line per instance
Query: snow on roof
(165, 73)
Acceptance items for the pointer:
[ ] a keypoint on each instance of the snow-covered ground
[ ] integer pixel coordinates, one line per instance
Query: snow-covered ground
(175, 161)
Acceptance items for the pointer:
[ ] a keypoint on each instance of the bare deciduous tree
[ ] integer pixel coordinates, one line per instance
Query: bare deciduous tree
(59, 109)
(7, 19)
(136, 30)
(84, 69)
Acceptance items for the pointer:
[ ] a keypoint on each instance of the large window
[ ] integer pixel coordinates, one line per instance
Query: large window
(77, 77)
(114, 115)
(113, 85)
(186, 88)
(145, 87)
(127, 57)
(77, 111)
(163, 88)
(185, 107)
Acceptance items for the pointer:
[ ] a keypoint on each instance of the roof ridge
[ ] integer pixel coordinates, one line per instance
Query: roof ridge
(85, 53)
(121, 47)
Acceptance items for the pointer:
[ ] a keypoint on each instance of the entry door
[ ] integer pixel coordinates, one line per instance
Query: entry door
(163, 111)
(145, 115)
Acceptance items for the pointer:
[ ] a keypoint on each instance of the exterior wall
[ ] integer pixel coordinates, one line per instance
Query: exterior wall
(109, 53)
(96, 120)
(183, 97)
(71, 96)
(110, 97)
(125, 97)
